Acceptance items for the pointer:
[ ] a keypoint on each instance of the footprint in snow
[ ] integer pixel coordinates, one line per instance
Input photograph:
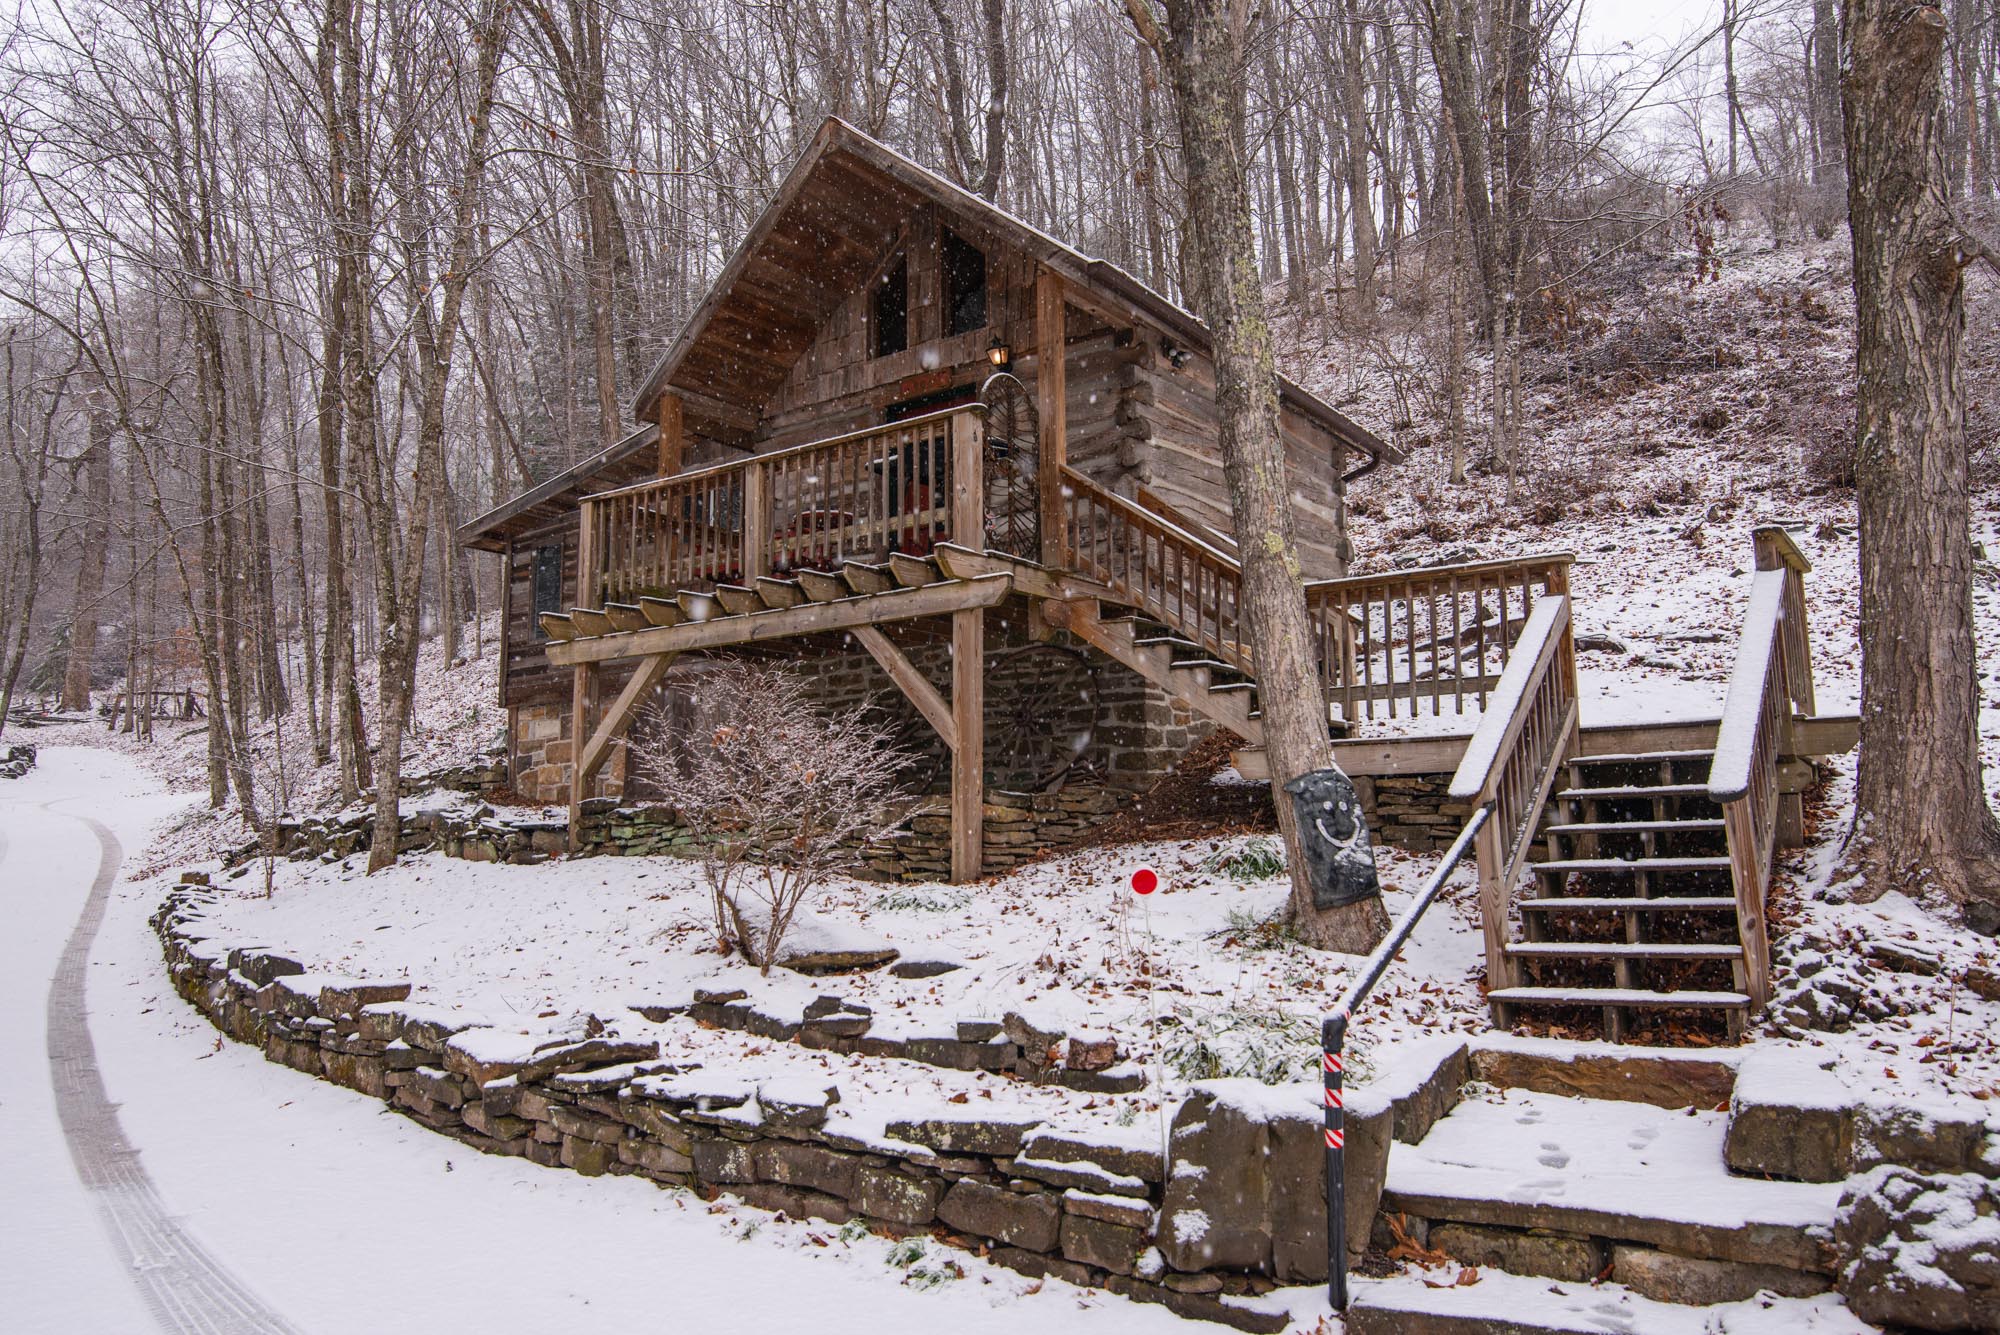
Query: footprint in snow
(1552, 1156)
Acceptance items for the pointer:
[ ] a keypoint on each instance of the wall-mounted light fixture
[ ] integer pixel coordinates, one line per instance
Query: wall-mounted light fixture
(998, 353)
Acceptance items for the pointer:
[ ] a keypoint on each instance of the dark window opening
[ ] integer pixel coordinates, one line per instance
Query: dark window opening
(891, 316)
(547, 579)
(964, 285)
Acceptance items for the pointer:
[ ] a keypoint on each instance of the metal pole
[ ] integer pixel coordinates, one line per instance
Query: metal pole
(1333, 1038)
(1333, 1041)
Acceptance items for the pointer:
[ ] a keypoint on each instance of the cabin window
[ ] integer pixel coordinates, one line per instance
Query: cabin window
(890, 319)
(547, 579)
(964, 284)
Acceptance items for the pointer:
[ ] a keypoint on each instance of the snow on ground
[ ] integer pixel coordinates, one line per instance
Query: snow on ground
(345, 1217)
(1193, 980)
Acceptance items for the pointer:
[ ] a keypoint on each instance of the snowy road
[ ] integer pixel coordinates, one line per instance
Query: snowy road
(335, 1213)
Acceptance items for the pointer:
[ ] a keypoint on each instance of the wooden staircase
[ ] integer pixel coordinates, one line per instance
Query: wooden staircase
(1632, 907)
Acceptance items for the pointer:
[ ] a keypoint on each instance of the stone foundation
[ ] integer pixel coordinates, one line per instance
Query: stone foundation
(1412, 812)
(1020, 827)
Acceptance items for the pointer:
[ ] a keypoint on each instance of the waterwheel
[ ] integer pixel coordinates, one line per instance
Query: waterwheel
(1013, 494)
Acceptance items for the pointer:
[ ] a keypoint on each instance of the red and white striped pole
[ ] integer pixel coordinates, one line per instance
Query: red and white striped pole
(1333, 1039)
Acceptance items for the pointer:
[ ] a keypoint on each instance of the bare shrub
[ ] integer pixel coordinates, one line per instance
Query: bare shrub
(781, 795)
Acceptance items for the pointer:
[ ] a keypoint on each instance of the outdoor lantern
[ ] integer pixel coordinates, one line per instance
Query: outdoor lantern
(998, 353)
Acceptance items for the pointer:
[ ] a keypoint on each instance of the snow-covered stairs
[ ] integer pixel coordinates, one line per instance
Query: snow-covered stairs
(1535, 1212)
(1632, 907)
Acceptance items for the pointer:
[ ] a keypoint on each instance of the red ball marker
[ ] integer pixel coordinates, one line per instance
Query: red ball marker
(1145, 881)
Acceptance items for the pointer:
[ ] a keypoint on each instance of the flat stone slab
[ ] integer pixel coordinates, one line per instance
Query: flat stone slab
(1611, 1071)
(1629, 1172)
(1503, 1304)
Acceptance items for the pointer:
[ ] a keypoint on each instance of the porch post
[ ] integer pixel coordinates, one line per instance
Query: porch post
(583, 693)
(968, 757)
(669, 415)
(1051, 407)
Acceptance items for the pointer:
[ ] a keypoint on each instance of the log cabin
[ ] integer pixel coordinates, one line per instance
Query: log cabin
(948, 465)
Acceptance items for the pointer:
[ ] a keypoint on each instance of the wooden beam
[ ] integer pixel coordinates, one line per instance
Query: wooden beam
(962, 563)
(673, 438)
(582, 687)
(912, 683)
(617, 718)
(968, 758)
(847, 613)
(1051, 406)
(968, 479)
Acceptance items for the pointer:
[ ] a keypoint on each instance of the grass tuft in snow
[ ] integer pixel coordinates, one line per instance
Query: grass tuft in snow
(1248, 1041)
(1255, 860)
(921, 1268)
(1253, 932)
(925, 899)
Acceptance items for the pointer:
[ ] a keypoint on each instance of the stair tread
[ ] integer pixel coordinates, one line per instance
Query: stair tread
(1614, 996)
(1567, 865)
(1635, 790)
(1622, 903)
(1417, 1303)
(1603, 1168)
(1641, 757)
(1698, 825)
(1639, 950)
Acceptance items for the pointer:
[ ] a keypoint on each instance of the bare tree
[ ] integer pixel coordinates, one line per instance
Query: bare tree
(1921, 821)
(781, 794)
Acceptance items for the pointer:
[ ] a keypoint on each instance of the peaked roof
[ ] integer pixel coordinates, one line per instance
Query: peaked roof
(822, 236)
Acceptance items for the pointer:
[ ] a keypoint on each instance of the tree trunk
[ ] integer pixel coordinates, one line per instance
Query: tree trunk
(96, 538)
(1922, 823)
(1203, 55)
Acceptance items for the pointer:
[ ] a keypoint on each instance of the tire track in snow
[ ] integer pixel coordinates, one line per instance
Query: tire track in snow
(188, 1291)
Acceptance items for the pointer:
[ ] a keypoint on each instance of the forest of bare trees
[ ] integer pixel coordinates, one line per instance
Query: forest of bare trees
(290, 290)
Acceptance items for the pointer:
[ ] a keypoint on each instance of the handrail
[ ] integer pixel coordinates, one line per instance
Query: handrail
(1333, 1043)
(1772, 677)
(1511, 762)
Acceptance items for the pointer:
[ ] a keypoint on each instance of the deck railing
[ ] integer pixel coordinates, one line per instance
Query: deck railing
(1529, 729)
(1771, 680)
(1431, 640)
(903, 487)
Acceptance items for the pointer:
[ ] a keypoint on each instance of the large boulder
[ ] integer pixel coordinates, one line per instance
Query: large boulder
(1246, 1180)
(1921, 1251)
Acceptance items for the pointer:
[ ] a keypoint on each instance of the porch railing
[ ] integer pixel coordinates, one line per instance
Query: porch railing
(899, 488)
(1772, 679)
(1431, 640)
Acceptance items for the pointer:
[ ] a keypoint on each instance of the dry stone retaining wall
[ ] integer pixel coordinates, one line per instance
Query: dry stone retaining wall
(1233, 1209)
(16, 761)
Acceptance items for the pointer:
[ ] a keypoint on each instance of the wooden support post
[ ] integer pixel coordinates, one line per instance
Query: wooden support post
(756, 522)
(1051, 406)
(589, 584)
(583, 690)
(968, 758)
(672, 434)
(968, 480)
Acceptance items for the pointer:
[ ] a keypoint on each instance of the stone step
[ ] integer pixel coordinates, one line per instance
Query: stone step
(1621, 950)
(1693, 999)
(1587, 1175)
(1631, 904)
(1503, 1304)
(1565, 866)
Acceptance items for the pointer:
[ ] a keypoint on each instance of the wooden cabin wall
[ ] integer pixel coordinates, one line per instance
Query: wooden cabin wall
(526, 675)
(1183, 464)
